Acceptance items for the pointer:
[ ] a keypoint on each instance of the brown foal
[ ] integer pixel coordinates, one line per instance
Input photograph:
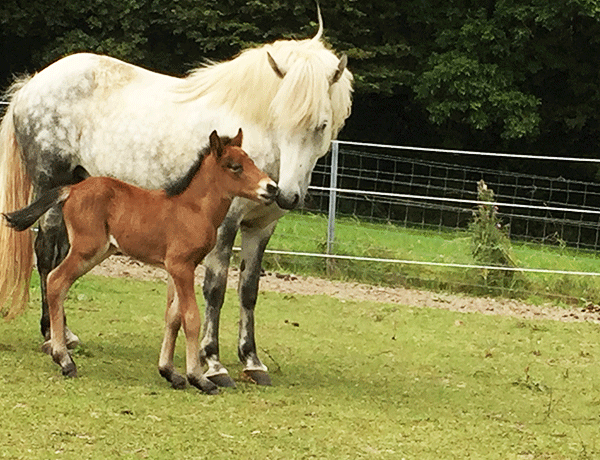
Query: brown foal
(174, 228)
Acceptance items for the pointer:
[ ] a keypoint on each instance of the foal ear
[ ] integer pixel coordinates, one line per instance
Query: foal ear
(237, 140)
(216, 145)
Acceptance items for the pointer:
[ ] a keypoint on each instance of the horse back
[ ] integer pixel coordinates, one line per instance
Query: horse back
(111, 117)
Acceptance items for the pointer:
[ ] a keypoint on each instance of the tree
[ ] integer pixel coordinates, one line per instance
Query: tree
(490, 74)
(516, 70)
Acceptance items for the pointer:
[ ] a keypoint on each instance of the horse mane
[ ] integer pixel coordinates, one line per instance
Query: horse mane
(248, 86)
(178, 186)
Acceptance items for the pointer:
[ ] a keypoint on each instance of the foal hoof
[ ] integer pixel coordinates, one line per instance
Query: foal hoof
(222, 380)
(70, 370)
(203, 384)
(176, 380)
(257, 377)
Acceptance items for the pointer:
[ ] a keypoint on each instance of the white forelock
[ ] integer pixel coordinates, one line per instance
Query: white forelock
(249, 87)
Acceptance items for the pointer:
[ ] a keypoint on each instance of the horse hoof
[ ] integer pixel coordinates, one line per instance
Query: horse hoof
(70, 370)
(203, 384)
(222, 380)
(257, 377)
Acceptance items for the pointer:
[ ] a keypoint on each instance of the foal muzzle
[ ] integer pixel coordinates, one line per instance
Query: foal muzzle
(269, 192)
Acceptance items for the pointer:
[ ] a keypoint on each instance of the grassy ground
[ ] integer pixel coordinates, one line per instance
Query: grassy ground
(351, 380)
(307, 233)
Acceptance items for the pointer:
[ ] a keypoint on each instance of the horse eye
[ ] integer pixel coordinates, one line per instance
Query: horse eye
(236, 168)
(322, 127)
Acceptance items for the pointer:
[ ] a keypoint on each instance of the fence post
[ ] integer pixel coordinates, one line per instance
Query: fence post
(335, 149)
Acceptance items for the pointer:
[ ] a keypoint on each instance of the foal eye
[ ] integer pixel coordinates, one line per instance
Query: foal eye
(235, 168)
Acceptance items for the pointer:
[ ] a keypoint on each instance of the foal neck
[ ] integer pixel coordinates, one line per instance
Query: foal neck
(207, 185)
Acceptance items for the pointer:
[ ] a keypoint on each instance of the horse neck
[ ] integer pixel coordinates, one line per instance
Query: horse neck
(207, 188)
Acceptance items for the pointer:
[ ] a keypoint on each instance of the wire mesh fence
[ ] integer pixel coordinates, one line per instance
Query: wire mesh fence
(403, 220)
(425, 193)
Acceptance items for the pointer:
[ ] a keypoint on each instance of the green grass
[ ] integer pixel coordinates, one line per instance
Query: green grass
(307, 233)
(351, 380)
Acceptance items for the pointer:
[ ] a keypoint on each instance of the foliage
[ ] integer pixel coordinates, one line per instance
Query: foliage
(490, 244)
(514, 74)
(514, 67)
(483, 94)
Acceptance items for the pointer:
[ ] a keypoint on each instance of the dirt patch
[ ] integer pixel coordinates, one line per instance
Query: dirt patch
(121, 266)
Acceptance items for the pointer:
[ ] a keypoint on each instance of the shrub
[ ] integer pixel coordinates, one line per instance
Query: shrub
(490, 244)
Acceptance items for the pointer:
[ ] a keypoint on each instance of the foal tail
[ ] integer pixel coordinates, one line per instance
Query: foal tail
(24, 218)
(16, 249)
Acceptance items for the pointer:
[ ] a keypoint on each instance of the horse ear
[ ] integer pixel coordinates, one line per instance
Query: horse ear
(237, 140)
(340, 69)
(274, 66)
(216, 145)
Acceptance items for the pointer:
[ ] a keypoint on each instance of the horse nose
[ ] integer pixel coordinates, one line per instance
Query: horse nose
(287, 202)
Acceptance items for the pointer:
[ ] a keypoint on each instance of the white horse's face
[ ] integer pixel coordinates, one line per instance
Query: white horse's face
(299, 154)
(308, 112)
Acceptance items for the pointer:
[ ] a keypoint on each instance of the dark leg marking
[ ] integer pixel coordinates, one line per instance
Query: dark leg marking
(257, 239)
(215, 284)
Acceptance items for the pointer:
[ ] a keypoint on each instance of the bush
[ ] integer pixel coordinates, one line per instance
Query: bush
(490, 244)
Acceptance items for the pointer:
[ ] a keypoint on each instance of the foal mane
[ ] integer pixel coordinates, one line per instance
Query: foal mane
(178, 186)
(248, 86)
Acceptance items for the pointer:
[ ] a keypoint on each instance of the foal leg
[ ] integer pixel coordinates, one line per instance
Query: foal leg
(254, 242)
(59, 282)
(183, 279)
(79, 261)
(51, 247)
(215, 283)
(172, 325)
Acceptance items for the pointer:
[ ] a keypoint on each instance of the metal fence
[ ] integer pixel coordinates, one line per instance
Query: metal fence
(380, 183)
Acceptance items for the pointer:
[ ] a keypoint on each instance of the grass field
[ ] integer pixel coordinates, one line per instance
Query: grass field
(351, 380)
(307, 233)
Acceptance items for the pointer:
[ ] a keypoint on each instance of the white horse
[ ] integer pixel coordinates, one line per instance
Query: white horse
(97, 114)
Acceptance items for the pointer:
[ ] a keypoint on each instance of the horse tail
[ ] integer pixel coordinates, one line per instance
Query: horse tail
(16, 249)
(24, 218)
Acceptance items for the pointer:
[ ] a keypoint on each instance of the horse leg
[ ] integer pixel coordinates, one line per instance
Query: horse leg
(254, 242)
(215, 283)
(167, 351)
(51, 247)
(183, 279)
